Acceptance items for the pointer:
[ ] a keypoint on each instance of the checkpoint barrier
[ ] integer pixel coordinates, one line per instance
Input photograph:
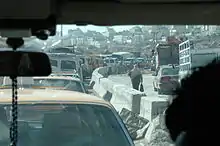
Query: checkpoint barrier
(124, 97)
(120, 96)
(152, 107)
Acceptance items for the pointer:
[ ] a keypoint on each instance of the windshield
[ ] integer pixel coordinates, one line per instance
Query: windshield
(202, 59)
(113, 81)
(170, 71)
(68, 65)
(140, 60)
(59, 84)
(65, 124)
(129, 59)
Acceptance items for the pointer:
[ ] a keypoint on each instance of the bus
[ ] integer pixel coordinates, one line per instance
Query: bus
(190, 58)
(122, 55)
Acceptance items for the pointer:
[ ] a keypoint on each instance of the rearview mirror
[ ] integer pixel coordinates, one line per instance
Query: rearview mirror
(24, 64)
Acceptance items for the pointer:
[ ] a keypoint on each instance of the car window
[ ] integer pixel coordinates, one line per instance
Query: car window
(111, 61)
(53, 62)
(60, 83)
(61, 124)
(170, 71)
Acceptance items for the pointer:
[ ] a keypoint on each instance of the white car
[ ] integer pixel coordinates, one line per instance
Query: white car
(60, 82)
(74, 75)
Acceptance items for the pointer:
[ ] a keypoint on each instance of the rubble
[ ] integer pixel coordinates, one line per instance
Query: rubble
(157, 134)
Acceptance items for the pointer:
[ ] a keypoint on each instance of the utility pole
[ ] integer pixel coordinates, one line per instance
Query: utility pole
(61, 33)
(61, 30)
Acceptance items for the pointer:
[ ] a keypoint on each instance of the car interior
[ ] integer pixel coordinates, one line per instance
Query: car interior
(26, 18)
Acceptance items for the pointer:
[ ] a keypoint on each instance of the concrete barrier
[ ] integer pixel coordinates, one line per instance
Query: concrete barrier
(95, 81)
(122, 96)
(151, 107)
(126, 97)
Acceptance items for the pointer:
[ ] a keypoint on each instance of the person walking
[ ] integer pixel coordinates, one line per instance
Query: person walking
(136, 77)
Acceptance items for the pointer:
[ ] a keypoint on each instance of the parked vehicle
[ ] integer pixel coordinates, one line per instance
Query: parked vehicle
(60, 82)
(166, 79)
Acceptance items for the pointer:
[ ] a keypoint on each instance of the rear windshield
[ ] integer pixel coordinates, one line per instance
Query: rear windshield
(65, 125)
(59, 83)
(170, 71)
(68, 65)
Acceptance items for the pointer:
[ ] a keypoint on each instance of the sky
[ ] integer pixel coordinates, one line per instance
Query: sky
(92, 27)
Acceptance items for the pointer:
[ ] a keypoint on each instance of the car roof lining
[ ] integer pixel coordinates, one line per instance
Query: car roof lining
(113, 12)
(147, 14)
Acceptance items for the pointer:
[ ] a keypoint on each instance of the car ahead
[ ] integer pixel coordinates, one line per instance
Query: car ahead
(166, 79)
(60, 82)
(74, 75)
(85, 81)
(48, 117)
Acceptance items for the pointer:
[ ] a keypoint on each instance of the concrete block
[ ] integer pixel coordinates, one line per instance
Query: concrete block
(151, 107)
(125, 97)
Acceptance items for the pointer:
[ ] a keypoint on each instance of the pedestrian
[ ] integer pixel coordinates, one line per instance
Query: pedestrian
(136, 77)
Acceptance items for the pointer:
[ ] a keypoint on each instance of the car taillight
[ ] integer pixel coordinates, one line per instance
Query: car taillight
(165, 79)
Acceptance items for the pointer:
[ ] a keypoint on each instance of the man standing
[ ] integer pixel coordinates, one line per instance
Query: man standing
(136, 77)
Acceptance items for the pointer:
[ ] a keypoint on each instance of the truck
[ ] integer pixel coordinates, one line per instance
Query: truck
(191, 58)
(165, 54)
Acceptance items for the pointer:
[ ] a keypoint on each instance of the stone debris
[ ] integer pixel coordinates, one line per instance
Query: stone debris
(157, 134)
